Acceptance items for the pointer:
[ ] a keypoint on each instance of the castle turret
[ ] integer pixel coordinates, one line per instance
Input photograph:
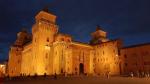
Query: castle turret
(98, 36)
(22, 38)
(15, 53)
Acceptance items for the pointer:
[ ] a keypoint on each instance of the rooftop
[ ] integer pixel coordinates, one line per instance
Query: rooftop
(137, 45)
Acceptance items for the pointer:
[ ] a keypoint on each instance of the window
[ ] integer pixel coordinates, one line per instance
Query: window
(103, 53)
(135, 64)
(56, 53)
(68, 40)
(125, 56)
(61, 70)
(147, 63)
(47, 39)
(35, 39)
(62, 39)
(46, 56)
(94, 59)
(126, 64)
(106, 59)
(98, 53)
(145, 53)
(45, 68)
(134, 55)
(18, 61)
(119, 52)
(113, 50)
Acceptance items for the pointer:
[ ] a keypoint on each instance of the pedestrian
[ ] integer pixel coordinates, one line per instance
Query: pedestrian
(147, 74)
(142, 74)
(131, 74)
(107, 74)
(138, 74)
(55, 76)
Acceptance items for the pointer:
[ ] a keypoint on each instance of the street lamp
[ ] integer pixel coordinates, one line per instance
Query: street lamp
(47, 47)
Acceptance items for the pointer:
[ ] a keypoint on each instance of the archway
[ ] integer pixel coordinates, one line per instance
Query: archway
(81, 68)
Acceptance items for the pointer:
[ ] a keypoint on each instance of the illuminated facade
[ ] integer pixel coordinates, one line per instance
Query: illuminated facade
(48, 52)
(135, 59)
(2, 69)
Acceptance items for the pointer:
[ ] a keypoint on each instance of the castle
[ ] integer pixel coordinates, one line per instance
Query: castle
(49, 52)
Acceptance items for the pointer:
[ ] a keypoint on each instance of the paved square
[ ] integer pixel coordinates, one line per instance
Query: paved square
(80, 80)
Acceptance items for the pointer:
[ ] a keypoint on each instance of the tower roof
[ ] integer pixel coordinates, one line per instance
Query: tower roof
(46, 9)
(24, 30)
(98, 27)
(46, 15)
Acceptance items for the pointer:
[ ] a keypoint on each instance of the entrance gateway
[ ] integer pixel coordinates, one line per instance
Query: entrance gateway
(81, 66)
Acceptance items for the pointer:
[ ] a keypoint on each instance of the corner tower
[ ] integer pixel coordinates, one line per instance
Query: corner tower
(43, 32)
(98, 36)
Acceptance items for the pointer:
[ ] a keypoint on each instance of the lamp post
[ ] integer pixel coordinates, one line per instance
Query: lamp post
(47, 47)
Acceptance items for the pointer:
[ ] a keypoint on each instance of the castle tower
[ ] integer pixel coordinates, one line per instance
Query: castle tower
(98, 36)
(15, 53)
(43, 36)
(22, 38)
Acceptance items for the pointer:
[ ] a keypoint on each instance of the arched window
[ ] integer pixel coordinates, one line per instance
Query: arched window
(69, 40)
(103, 53)
(62, 39)
(125, 56)
(35, 39)
(46, 56)
(47, 39)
